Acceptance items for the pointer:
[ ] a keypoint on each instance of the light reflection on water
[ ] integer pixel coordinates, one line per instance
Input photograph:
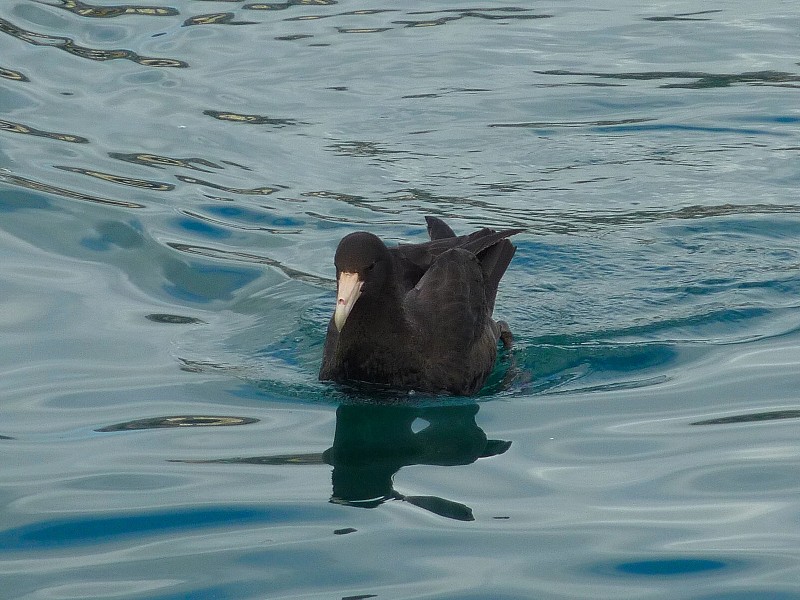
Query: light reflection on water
(173, 181)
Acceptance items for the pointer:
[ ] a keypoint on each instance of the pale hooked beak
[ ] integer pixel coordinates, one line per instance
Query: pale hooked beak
(349, 289)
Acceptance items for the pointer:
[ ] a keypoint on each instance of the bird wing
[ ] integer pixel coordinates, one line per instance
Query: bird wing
(449, 317)
(494, 262)
(447, 307)
(422, 256)
(492, 249)
(438, 229)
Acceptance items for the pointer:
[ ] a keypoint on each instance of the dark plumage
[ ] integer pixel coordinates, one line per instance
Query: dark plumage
(418, 316)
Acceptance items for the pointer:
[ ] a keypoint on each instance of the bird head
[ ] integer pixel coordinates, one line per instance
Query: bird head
(363, 264)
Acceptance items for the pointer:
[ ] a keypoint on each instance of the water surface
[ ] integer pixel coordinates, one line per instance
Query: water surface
(174, 180)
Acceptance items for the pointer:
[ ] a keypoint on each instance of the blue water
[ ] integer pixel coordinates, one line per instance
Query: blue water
(173, 183)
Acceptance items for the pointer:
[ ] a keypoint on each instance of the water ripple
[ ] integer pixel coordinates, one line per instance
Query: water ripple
(84, 9)
(68, 45)
(226, 18)
(757, 417)
(94, 530)
(27, 130)
(64, 192)
(701, 80)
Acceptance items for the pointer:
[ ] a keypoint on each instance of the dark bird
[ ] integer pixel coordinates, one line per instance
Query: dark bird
(418, 316)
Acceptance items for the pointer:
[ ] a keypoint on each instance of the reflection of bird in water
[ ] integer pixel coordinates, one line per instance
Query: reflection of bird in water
(418, 316)
(373, 442)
